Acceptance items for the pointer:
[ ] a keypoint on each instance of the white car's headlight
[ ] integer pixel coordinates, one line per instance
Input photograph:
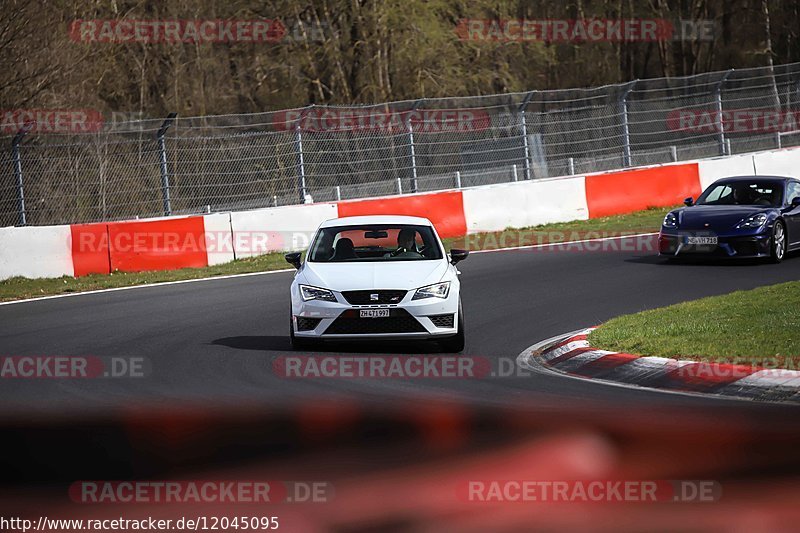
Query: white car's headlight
(437, 290)
(754, 221)
(670, 221)
(315, 293)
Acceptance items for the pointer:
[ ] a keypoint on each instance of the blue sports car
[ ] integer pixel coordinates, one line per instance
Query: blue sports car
(746, 216)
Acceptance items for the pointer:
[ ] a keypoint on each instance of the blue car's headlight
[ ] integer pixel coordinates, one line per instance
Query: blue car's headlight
(754, 221)
(670, 221)
(438, 290)
(315, 293)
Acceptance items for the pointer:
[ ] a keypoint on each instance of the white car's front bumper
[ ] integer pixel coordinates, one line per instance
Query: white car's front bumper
(341, 320)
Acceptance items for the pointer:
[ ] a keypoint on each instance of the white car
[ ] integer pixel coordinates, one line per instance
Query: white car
(377, 277)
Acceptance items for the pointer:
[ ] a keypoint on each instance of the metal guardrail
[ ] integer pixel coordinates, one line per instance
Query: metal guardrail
(321, 153)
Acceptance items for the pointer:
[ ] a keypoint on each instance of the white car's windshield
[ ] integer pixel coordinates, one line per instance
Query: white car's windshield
(375, 242)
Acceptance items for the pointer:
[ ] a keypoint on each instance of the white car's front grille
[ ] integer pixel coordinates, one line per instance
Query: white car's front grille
(374, 297)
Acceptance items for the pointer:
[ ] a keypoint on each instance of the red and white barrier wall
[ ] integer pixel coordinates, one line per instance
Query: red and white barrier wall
(525, 203)
(157, 244)
(276, 229)
(35, 252)
(713, 169)
(616, 193)
(198, 241)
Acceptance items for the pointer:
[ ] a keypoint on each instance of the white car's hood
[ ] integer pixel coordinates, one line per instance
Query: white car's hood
(374, 275)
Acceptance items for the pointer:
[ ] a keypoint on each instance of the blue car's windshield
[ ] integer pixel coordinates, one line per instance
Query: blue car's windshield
(375, 242)
(758, 193)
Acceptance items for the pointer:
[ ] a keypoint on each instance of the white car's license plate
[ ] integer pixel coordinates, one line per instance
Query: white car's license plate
(701, 240)
(374, 313)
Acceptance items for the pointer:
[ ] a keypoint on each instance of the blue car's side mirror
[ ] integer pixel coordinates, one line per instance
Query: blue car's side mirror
(688, 202)
(795, 201)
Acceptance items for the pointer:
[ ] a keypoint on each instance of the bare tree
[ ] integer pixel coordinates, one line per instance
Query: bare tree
(768, 51)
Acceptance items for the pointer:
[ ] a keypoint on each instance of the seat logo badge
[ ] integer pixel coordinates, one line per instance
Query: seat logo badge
(373, 297)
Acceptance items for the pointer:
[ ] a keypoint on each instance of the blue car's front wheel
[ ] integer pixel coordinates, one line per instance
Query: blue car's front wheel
(778, 242)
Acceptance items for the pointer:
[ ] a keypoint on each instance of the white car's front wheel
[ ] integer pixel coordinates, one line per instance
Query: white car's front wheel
(455, 344)
(298, 343)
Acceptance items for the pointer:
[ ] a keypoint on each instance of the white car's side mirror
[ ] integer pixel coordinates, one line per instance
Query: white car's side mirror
(456, 255)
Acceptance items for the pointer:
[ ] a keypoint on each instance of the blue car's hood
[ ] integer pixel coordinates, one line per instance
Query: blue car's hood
(719, 218)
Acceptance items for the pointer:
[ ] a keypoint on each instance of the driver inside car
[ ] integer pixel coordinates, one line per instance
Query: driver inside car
(743, 196)
(406, 245)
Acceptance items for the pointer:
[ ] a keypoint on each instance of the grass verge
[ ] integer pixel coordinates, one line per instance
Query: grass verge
(645, 221)
(638, 222)
(756, 327)
(20, 288)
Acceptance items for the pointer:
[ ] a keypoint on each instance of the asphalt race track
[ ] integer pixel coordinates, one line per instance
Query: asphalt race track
(214, 342)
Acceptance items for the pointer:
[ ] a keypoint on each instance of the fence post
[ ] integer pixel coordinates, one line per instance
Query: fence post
(338, 190)
(571, 163)
(720, 123)
(514, 172)
(524, 124)
(458, 179)
(23, 131)
(796, 95)
(162, 148)
(626, 133)
(301, 164)
(673, 150)
(413, 151)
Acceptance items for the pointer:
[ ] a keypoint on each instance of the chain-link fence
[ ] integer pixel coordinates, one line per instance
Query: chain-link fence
(233, 162)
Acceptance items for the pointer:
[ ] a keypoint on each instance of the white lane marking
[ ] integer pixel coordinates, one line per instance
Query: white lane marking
(563, 243)
(144, 286)
(51, 297)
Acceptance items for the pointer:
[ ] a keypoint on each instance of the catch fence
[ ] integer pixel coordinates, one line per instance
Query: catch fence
(179, 165)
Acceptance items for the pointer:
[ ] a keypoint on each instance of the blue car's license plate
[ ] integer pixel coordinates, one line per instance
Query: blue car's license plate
(701, 240)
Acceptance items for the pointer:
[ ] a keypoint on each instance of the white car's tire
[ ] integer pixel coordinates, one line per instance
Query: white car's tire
(455, 344)
(298, 344)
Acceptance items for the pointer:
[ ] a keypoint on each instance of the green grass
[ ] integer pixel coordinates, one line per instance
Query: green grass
(645, 221)
(20, 288)
(642, 221)
(759, 326)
